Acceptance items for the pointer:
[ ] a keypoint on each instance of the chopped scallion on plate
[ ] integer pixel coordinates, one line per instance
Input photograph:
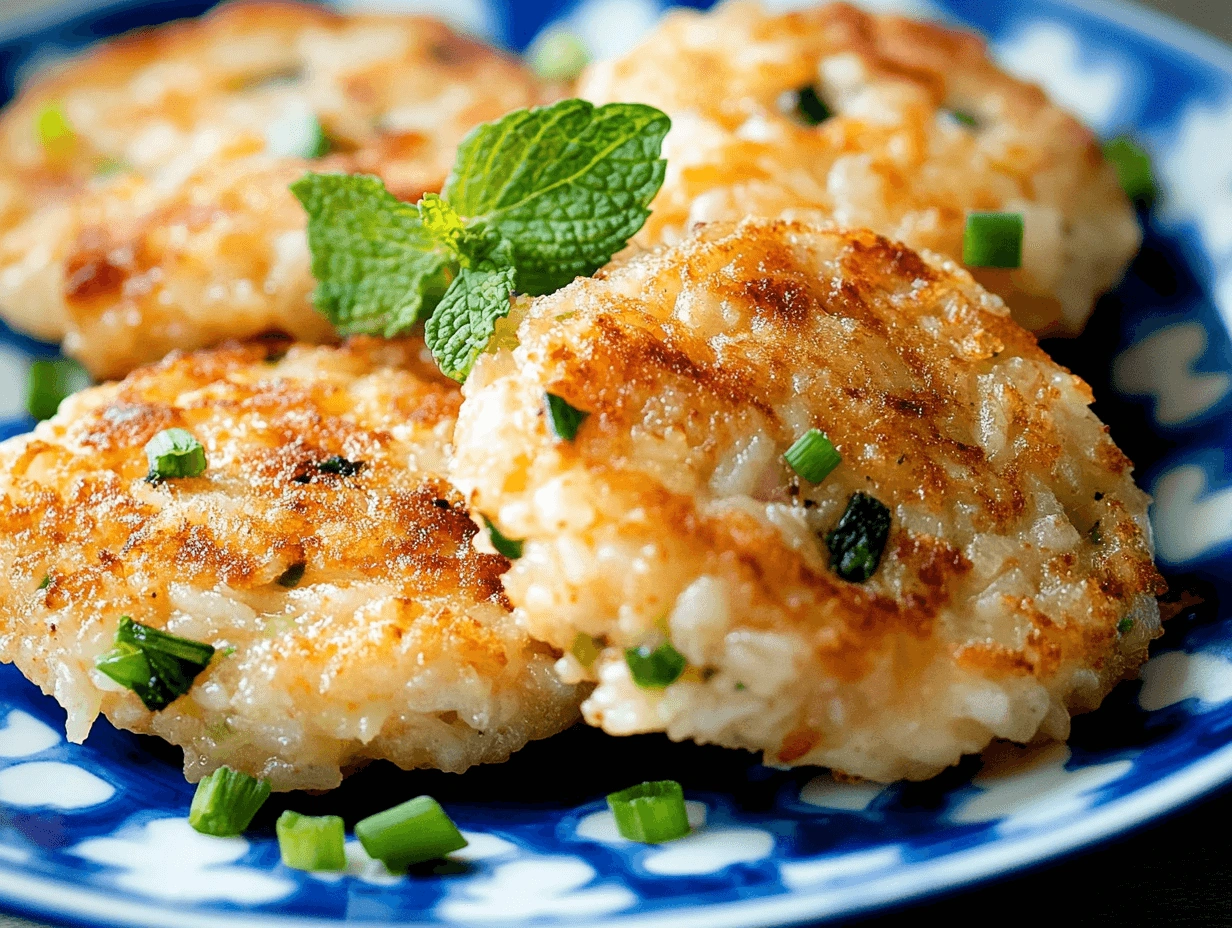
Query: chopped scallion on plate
(416, 831)
(1133, 168)
(565, 419)
(813, 456)
(159, 667)
(993, 240)
(857, 542)
(175, 453)
(312, 843)
(509, 547)
(651, 812)
(654, 669)
(809, 107)
(226, 802)
(291, 577)
(49, 382)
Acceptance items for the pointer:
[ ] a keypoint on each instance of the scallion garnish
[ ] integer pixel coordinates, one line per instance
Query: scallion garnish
(813, 456)
(1133, 168)
(651, 812)
(509, 547)
(174, 453)
(585, 648)
(311, 843)
(55, 132)
(993, 240)
(557, 55)
(657, 668)
(1124, 625)
(49, 382)
(226, 801)
(336, 464)
(45, 582)
(963, 118)
(410, 833)
(808, 106)
(291, 577)
(565, 419)
(159, 667)
(858, 540)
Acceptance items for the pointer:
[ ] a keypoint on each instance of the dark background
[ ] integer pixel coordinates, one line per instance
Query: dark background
(1177, 871)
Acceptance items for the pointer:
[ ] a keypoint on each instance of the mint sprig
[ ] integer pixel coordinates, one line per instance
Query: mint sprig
(535, 199)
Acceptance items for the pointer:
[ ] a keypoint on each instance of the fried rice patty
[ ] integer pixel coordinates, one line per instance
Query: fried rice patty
(165, 216)
(1017, 585)
(397, 642)
(894, 157)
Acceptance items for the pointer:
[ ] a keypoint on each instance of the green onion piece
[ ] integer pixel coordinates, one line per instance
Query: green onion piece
(963, 118)
(226, 801)
(1133, 168)
(813, 456)
(858, 540)
(336, 464)
(174, 453)
(311, 843)
(993, 240)
(650, 812)
(510, 547)
(557, 55)
(291, 577)
(410, 833)
(109, 167)
(585, 648)
(809, 108)
(159, 667)
(566, 420)
(1124, 625)
(49, 382)
(45, 582)
(320, 145)
(654, 670)
(55, 132)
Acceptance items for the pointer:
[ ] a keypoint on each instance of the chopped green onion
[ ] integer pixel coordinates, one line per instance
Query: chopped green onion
(557, 55)
(585, 648)
(1124, 625)
(311, 843)
(291, 577)
(651, 812)
(49, 382)
(993, 240)
(510, 547)
(55, 132)
(174, 453)
(226, 801)
(963, 118)
(813, 456)
(45, 582)
(1133, 168)
(159, 667)
(336, 464)
(655, 669)
(108, 167)
(858, 540)
(566, 420)
(320, 145)
(808, 106)
(410, 833)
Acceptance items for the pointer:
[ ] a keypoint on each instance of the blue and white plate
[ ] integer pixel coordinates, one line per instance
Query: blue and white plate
(97, 834)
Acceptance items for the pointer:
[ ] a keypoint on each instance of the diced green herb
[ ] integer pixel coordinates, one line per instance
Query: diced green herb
(809, 108)
(510, 547)
(175, 453)
(813, 456)
(291, 577)
(858, 540)
(55, 131)
(156, 665)
(1133, 168)
(963, 118)
(993, 240)
(654, 669)
(49, 382)
(336, 464)
(565, 419)
(312, 843)
(418, 830)
(45, 582)
(1124, 625)
(226, 802)
(585, 648)
(557, 55)
(651, 812)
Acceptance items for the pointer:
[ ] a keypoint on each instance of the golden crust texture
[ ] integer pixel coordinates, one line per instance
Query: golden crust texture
(170, 195)
(1018, 541)
(397, 641)
(892, 158)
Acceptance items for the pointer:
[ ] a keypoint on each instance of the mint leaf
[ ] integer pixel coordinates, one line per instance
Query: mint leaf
(472, 244)
(378, 269)
(466, 317)
(566, 185)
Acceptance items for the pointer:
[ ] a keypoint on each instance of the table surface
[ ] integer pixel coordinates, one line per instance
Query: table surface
(1176, 871)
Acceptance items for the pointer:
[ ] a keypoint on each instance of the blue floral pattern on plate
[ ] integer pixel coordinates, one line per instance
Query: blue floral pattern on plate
(97, 833)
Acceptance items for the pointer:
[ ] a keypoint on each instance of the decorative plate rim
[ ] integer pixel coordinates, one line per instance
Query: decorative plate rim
(39, 897)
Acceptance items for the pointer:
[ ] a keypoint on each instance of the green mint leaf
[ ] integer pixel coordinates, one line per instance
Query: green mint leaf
(442, 222)
(473, 244)
(465, 319)
(566, 185)
(378, 269)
